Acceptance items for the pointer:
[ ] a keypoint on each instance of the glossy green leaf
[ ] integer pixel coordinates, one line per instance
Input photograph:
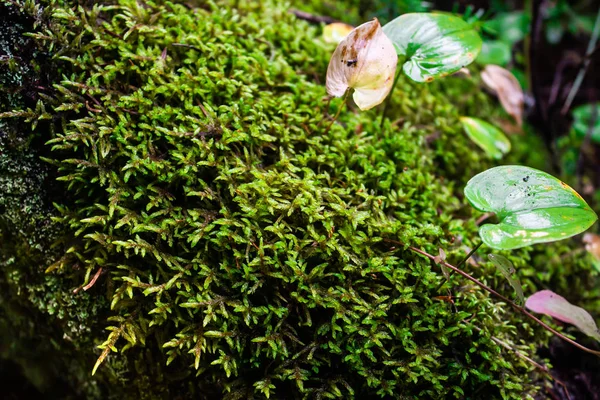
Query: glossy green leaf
(533, 207)
(433, 45)
(491, 139)
(582, 119)
(494, 52)
(507, 270)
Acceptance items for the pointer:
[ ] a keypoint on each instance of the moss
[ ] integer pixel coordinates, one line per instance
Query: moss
(232, 238)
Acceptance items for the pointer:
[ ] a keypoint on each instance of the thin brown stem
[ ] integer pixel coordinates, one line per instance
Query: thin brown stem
(318, 19)
(503, 298)
(337, 114)
(389, 96)
(94, 279)
(525, 357)
(459, 264)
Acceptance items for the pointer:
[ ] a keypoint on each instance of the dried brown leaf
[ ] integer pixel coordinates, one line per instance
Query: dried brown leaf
(504, 84)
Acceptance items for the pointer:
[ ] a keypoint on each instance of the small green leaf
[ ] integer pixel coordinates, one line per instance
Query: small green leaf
(433, 45)
(507, 270)
(486, 136)
(494, 52)
(509, 27)
(533, 207)
(582, 119)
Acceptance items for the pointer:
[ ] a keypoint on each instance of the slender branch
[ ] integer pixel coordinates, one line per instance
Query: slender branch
(533, 60)
(503, 298)
(189, 46)
(337, 114)
(517, 352)
(311, 17)
(94, 279)
(464, 260)
(459, 264)
(584, 67)
(525, 357)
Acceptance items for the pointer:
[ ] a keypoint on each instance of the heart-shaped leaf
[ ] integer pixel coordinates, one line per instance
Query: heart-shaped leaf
(486, 136)
(365, 61)
(533, 207)
(549, 303)
(507, 270)
(583, 117)
(433, 45)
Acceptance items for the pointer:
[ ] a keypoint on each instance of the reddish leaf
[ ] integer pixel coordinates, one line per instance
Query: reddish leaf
(549, 303)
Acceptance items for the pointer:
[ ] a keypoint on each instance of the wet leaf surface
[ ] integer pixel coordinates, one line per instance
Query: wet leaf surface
(433, 45)
(491, 139)
(533, 207)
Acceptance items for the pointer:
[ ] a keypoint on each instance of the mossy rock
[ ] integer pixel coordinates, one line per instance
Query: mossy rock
(232, 238)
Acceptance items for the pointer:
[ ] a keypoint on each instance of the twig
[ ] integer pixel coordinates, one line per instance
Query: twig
(483, 218)
(189, 46)
(532, 44)
(557, 81)
(460, 264)
(525, 357)
(586, 62)
(517, 352)
(503, 298)
(533, 64)
(94, 279)
(317, 19)
(337, 114)
(389, 96)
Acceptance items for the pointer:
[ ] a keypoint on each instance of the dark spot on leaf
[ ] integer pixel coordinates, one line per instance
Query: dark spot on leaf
(526, 178)
(344, 51)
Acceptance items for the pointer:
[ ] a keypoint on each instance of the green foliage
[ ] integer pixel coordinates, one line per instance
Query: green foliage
(495, 52)
(586, 118)
(231, 242)
(507, 270)
(432, 45)
(491, 139)
(533, 207)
